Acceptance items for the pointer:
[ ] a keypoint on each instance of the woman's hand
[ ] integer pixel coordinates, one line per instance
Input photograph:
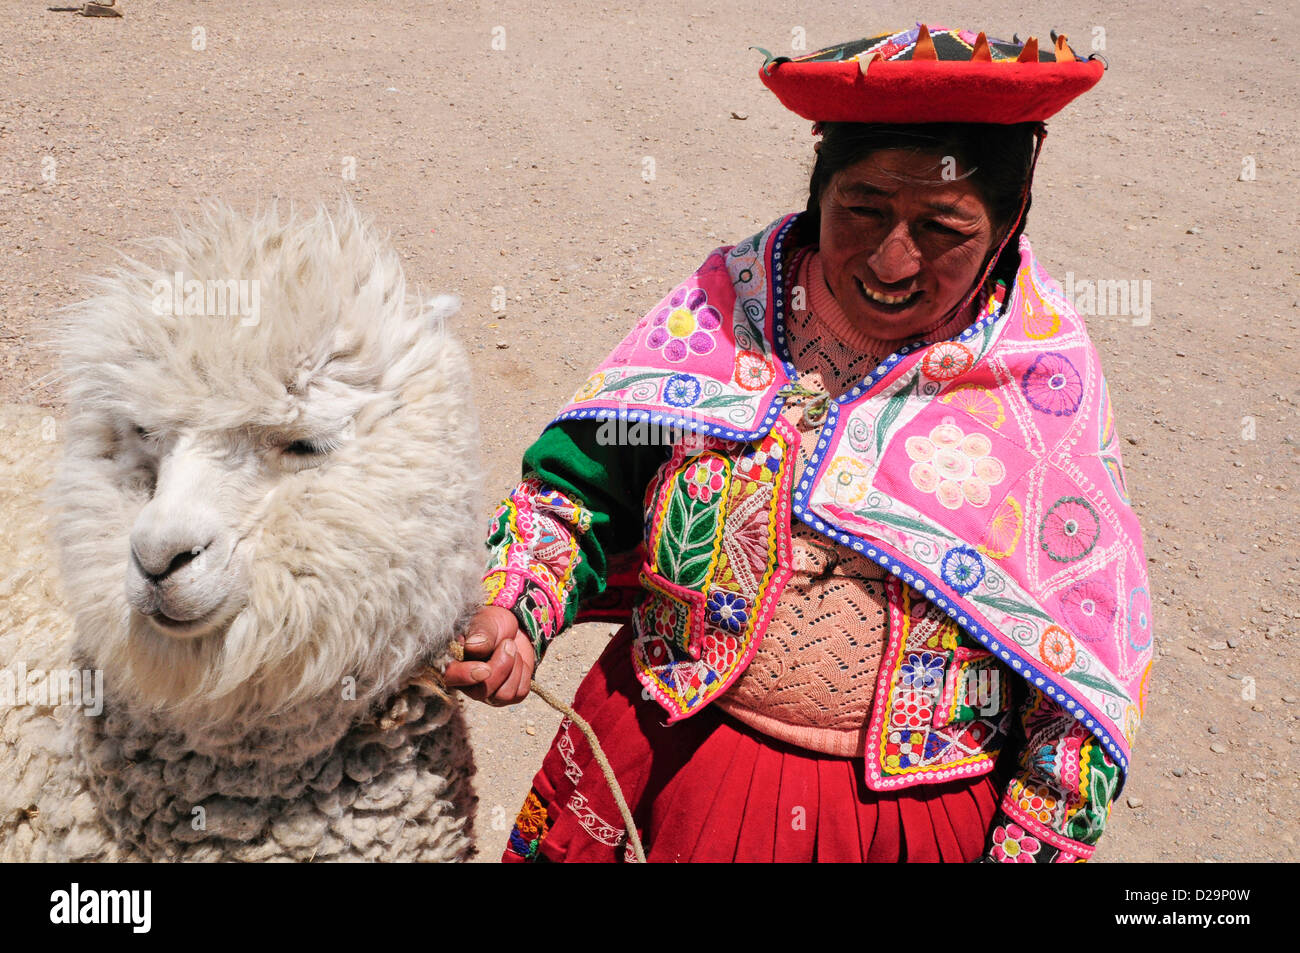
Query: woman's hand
(499, 659)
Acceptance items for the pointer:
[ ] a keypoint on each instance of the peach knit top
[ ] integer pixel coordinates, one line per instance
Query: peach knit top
(812, 681)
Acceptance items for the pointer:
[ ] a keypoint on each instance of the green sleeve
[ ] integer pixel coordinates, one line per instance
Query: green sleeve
(579, 504)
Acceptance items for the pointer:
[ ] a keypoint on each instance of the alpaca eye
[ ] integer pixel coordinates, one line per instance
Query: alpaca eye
(303, 448)
(300, 454)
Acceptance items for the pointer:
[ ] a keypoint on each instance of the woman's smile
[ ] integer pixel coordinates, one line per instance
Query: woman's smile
(892, 303)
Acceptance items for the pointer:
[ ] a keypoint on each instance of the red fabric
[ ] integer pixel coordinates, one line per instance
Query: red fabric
(916, 91)
(711, 789)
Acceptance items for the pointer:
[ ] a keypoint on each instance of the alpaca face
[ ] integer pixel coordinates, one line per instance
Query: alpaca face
(256, 514)
(204, 493)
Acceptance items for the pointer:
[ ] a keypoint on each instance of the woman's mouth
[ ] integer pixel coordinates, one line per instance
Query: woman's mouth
(889, 302)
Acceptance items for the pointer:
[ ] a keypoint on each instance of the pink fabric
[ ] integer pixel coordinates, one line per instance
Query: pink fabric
(984, 471)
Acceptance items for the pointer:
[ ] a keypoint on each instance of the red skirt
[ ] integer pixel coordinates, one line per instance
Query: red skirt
(710, 788)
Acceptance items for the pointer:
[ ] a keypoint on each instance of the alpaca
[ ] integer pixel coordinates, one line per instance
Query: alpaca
(266, 524)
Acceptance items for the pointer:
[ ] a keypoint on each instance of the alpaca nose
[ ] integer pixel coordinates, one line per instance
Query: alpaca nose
(159, 559)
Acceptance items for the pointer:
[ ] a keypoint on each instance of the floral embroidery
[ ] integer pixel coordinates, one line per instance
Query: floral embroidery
(530, 827)
(682, 390)
(590, 388)
(1089, 607)
(849, 480)
(962, 569)
(1036, 801)
(705, 477)
(753, 372)
(923, 670)
(685, 325)
(1011, 845)
(906, 742)
(955, 467)
(906, 749)
(532, 555)
(1139, 619)
(728, 610)
(978, 402)
(1053, 385)
(1057, 649)
(1004, 530)
(947, 360)
(1070, 529)
(719, 652)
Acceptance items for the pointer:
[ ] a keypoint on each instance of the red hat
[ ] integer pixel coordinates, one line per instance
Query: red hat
(932, 75)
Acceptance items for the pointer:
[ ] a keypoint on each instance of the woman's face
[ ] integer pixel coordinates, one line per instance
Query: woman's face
(899, 257)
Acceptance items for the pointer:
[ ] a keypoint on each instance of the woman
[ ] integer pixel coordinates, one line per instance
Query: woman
(883, 576)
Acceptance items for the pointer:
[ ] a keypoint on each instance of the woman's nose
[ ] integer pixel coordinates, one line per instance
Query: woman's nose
(896, 258)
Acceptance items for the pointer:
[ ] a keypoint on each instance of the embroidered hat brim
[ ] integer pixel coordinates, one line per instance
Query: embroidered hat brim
(932, 75)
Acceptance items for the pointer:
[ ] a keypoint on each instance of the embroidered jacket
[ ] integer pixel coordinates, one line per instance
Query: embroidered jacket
(715, 551)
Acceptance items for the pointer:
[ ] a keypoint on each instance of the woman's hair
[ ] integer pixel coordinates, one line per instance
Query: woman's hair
(997, 158)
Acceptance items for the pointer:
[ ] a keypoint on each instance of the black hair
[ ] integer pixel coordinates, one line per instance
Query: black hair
(997, 158)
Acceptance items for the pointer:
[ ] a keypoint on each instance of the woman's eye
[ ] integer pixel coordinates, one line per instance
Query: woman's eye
(864, 210)
(943, 229)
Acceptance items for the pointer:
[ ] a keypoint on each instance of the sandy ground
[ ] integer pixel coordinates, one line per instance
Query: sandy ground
(521, 170)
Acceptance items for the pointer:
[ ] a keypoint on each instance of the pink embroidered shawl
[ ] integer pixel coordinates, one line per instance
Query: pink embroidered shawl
(984, 471)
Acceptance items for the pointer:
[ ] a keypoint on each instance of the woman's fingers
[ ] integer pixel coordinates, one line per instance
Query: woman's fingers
(486, 630)
(515, 688)
(499, 659)
(465, 674)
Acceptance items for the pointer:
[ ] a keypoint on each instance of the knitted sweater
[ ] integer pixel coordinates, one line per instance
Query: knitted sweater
(812, 681)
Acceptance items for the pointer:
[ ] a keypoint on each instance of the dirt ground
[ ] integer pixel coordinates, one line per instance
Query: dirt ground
(577, 159)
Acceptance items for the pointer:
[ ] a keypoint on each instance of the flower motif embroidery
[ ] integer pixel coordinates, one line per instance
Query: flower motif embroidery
(947, 360)
(848, 480)
(685, 325)
(904, 748)
(1011, 845)
(1057, 649)
(728, 610)
(719, 652)
(1004, 530)
(1053, 385)
(589, 389)
(956, 467)
(705, 477)
(923, 671)
(1036, 802)
(963, 569)
(752, 371)
(1069, 530)
(682, 390)
(1139, 619)
(912, 709)
(1089, 607)
(978, 402)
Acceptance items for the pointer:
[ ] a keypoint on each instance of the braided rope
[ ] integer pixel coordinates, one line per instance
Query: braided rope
(634, 839)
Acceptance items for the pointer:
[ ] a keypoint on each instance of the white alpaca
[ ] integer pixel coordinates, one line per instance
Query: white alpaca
(267, 527)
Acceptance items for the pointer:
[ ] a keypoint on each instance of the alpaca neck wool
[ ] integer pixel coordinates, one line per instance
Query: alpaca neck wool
(325, 780)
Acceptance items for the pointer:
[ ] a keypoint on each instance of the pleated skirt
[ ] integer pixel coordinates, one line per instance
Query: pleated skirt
(711, 789)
